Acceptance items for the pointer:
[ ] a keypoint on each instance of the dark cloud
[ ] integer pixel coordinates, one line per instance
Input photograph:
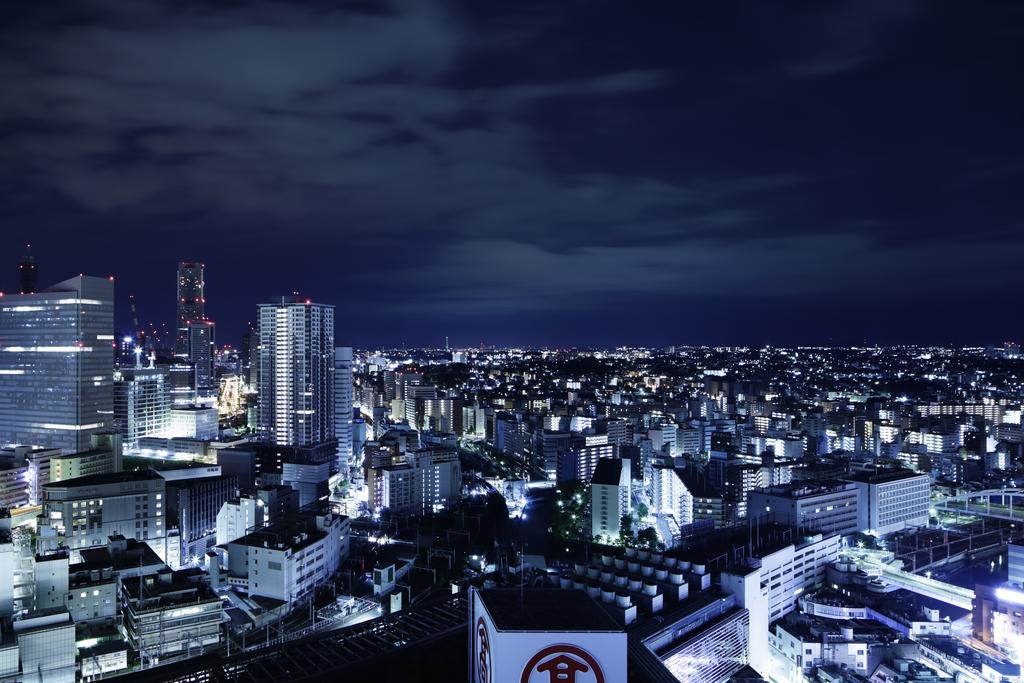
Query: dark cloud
(482, 166)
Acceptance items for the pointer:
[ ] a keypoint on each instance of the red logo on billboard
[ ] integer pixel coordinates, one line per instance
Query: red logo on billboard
(562, 664)
(483, 652)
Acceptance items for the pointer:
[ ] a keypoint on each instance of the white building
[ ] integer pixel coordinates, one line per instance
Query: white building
(287, 559)
(239, 516)
(672, 503)
(543, 635)
(142, 403)
(103, 458)
(194, 422)
(892, 500)
(428, 479)
(343, 407)
(30, 470)
(769, 586)
(799, 652)
(609, 497)
(84, 512)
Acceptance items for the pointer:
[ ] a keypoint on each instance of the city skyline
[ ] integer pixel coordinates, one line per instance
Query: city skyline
(524, 174)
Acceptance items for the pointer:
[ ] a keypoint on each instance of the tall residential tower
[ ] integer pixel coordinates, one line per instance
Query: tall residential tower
(296, 372)
(343, 406)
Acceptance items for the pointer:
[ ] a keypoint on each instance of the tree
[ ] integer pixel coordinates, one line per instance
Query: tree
(648, 539)
(642, 512)
(626, 530)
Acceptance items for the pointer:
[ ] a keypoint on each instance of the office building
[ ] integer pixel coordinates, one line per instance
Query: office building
(891, 500)
(84, 512)
(191, 303)
(23, 471)
(796, 569)
(142, 403)
(422, 481)
(609, 497)
(103, 458)
(194, 422)
(343, 408)
(192, 500)
(286, 559)
(56, 364)
(201, 352)
(296, 372)
(306, 469)
(828, 506)
(1015, 564)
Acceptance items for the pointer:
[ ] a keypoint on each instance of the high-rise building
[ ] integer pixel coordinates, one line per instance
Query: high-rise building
(296, 372)
(28, 276)
(142, 403)
(191, 302)
(201, 344)
(610, 497)
(57, 365)
(248, 355)
(343, 407)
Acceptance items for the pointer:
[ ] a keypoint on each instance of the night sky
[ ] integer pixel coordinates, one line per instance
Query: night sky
(548, 173)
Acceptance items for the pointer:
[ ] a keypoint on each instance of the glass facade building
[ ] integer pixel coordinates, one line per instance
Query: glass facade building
(57, 364)
(142, 403)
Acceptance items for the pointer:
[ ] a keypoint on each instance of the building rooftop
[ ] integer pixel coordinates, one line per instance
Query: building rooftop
(607, 472)
(798, 489)
(883, 477)
(546, 609)
(105, 478)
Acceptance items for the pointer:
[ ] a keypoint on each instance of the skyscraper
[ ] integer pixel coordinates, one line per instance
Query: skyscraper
(296, 372)
(201, 344)
(28, 276)
(57, 364)
(191, 302)
(343, 406)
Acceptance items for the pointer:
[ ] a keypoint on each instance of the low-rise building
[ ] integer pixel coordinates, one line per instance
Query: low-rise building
(891, 500)
(286, 559)
(171, 614)
(84, 512)
(828, 506)
(425, 480)
(104, 457)
(46, 645)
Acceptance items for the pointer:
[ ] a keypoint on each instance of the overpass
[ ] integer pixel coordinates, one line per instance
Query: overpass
(1006, 504)
(880, 563)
